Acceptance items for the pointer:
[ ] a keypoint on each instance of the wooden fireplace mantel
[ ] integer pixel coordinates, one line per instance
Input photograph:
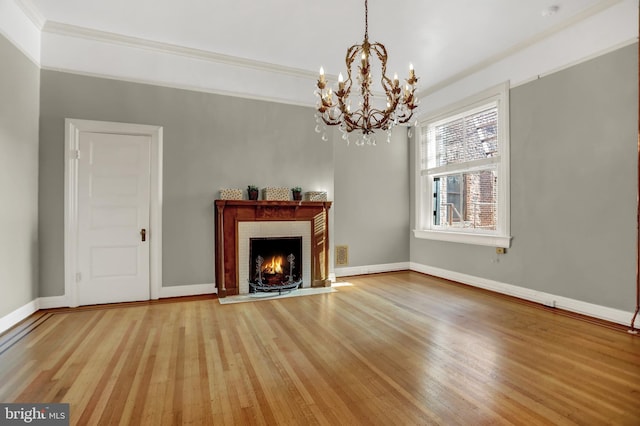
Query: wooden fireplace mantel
(229, 212)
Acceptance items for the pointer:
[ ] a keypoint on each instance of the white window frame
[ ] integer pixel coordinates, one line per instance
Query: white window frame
(424, 227)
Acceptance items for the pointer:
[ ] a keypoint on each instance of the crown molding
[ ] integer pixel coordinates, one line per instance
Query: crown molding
(19, 26)
(53, 27)
(31, 11)
(587, 13)
(192, 88)
(587, 58)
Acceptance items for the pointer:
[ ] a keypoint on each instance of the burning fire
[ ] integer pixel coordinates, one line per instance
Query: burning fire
(274, 266)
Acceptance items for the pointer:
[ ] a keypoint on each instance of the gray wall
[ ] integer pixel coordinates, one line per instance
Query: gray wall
(372, 199)
(210, 142)
(573, 188)
(19, 103)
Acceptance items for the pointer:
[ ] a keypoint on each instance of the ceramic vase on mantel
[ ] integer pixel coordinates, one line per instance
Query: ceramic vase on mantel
(252, 191)
(297, 193)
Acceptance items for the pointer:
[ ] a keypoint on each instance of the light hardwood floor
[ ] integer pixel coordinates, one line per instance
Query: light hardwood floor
(396, 348)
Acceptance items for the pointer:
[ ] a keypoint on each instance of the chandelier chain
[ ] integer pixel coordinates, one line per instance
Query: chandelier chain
(366, 19)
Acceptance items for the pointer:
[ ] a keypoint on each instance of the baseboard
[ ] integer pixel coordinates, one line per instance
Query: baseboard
(548, 299)
(187, 290)
(371, 269)
(170, 291)
(53, 302)
(12, 318)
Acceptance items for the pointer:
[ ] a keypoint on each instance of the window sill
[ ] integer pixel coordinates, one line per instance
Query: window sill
(465, 238)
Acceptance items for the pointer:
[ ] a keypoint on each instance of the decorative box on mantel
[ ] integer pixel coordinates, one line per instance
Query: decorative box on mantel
(315, 196)
(276, 194)
(231, 194)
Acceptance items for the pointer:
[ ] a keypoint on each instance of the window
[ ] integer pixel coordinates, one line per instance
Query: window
(462, 173)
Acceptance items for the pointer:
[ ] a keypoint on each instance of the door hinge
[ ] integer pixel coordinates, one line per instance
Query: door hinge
(75, 154)
(78, 277)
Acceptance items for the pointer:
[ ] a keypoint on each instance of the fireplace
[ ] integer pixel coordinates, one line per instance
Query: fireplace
(275, 263)
(240, 221)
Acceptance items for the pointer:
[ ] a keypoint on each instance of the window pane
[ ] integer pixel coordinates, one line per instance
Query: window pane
(466, 200)
(449, 138)
(472, 137)
(481, 131)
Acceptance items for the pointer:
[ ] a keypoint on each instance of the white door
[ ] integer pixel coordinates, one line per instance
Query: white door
(113, 218)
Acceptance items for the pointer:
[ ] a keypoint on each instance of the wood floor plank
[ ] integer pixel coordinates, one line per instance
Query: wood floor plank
(395, 348)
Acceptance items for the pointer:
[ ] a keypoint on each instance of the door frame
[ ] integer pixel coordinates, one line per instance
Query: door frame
(73, 128)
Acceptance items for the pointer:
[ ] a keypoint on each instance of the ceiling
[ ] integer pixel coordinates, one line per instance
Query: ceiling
(443, 39)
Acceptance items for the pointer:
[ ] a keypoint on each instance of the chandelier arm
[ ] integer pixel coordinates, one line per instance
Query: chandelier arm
(351, 54)
(387, 84)
(404, 114)
(381, 53)
(329, 121)
(404, 118)
(383, 121)
(354, 117)
(353, 120)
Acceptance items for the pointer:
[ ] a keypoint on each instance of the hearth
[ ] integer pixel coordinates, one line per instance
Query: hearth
(275, 263)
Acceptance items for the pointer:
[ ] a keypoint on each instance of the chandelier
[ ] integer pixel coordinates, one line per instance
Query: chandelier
(334, 108)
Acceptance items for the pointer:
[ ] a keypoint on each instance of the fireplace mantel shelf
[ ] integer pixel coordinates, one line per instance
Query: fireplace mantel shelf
(271, 203)
(229, 212)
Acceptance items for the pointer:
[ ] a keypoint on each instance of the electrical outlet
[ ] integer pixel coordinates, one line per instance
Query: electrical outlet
(501, 250)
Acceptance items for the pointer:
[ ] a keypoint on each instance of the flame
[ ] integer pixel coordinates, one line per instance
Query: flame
(274, 266)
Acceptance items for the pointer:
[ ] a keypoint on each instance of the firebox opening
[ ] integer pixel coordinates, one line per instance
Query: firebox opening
(275, 262)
